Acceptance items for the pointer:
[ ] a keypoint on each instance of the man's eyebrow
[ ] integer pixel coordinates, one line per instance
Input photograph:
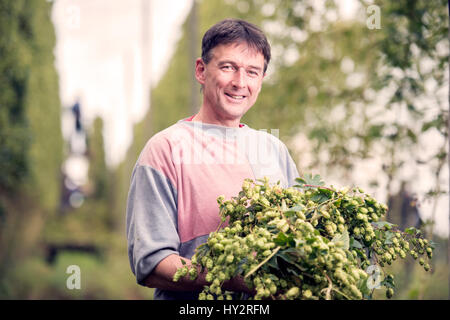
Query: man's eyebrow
(221, 63)
(256, 68)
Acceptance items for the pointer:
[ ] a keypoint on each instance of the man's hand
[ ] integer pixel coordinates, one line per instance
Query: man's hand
(237, 284)
(162, 278)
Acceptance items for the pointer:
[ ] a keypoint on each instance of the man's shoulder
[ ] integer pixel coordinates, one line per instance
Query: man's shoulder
(271, 136)
(160, 144)
(167, 135)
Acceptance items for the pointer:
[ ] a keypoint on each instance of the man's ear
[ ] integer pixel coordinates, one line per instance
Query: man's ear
(200, 69)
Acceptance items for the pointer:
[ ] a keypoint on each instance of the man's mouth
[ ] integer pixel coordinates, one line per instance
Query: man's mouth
(235, 97)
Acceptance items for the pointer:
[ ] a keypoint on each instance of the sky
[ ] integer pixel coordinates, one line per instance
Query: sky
(108, 56)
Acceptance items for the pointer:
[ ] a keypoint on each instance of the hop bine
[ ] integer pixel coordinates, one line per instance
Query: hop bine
(304, 242)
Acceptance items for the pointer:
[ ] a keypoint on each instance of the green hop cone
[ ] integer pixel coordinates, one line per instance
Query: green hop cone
(192, 273)
(273, 288)
(218, 247)
(307, 294)
(293, 293)
(389, 293)
(209, 277)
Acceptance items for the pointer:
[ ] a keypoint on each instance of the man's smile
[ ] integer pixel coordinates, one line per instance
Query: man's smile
(235, 97)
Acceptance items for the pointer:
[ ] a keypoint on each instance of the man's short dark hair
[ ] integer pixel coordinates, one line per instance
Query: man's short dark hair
(235, 31)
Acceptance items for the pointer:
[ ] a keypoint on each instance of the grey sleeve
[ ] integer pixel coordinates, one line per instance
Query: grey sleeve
(151, 220)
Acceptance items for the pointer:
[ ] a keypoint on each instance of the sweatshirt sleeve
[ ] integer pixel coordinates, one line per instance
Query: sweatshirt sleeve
(151, 220)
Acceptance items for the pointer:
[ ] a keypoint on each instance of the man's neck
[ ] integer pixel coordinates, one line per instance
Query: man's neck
(204, 117)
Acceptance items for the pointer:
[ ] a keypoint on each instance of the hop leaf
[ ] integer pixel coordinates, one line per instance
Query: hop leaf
(309, 180)
(344, 237)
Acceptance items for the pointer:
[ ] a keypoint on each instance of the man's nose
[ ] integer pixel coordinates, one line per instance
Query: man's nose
(239, 78)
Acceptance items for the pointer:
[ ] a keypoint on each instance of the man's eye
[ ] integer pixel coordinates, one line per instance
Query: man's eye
(227, 68)
(253, 73)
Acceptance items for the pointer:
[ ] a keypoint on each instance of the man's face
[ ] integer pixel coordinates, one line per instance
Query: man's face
(231, 81)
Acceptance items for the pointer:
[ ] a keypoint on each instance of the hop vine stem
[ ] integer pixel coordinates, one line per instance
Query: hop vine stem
(316, 186)
(262, 263)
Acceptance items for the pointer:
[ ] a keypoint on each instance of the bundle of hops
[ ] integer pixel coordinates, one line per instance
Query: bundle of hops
(308, 242)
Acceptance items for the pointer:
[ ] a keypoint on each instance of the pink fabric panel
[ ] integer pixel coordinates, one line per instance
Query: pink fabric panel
(198, 211)
(208, 165)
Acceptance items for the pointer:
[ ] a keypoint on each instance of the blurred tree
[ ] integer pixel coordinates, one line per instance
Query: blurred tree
(98, 172)
(15, 63)
(415, 53)
(30, 130)
(100, 175)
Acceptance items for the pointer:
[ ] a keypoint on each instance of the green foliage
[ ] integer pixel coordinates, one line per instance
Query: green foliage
(101, 278)
(15, 62)
(98, 172)
(30, 127)
(308, 181)
(86, 225)
(43, 109)
(30, 134)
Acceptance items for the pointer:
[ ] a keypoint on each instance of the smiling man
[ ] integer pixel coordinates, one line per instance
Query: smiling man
(183, 169)
(231, 78)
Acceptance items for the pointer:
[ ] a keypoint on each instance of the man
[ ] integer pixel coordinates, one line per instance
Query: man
(182, 170)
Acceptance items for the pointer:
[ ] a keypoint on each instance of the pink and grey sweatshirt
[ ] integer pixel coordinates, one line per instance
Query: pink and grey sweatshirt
(172, 201)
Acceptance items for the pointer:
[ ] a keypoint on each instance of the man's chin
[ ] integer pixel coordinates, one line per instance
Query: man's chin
(234, 116)
(235, 111)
